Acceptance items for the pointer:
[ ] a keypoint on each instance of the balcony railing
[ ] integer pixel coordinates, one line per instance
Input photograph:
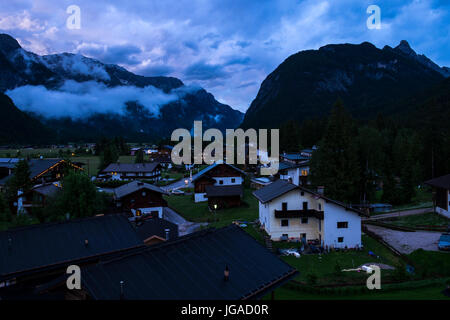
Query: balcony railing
(282, 214)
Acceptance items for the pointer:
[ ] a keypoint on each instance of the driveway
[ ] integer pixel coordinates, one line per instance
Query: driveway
(407, 242)
(401, 213)
(184, 226)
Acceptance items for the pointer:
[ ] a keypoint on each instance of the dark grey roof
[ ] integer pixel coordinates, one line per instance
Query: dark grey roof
(274, 190)
(224, 191)
(207, 169)
(39, 246)
(283, 165)
(294, 156)
(134, 186)
(156, 227)
(47, 190)
(131, 167)
(191, 268)
(37, 166)
(442, 182)
(280, 187)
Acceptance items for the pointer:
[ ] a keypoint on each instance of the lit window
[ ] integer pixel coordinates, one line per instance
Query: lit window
(341, 239)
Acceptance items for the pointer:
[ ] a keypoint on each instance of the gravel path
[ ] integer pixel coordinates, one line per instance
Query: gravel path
(402, 213)
(184, 226)
(407, 242)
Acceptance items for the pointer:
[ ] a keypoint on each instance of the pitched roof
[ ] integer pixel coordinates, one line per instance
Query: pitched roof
(273, 190)
(156, 227)
(207, 169)
(39, 246)
(131, 167)
(284, 165)
(38, 166)
(440, 182)
(47, 190)
(134, 186)
(280, 187)
(191, 267)
(294, 156)
(224, 191)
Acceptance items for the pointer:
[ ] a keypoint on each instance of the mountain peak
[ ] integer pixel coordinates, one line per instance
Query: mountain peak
(8, 43)
(405, 48)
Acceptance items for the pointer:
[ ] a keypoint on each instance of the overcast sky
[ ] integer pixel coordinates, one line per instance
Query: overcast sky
(226, 46)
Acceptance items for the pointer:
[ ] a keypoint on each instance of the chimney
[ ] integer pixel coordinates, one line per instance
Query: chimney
(226, 274)
(167, 233)
(121, 290)
(320, 190)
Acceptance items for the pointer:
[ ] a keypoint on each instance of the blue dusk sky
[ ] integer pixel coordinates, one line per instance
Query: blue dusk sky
(226, 46)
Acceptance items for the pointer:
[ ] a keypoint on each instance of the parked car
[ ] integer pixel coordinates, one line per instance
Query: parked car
(444, 242)
(289, 252)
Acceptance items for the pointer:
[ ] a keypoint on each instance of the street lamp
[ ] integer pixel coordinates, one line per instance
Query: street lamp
(186, 181)
(215, 208)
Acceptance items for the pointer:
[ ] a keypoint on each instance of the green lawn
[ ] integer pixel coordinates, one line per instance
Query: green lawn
(433, 292)
(324, 266)
(426, 219)
(199, 212)
(431, 263)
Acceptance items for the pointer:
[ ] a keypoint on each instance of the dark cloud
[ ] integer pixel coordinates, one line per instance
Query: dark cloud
(204, 71)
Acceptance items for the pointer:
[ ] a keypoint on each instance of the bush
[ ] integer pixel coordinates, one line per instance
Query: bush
(311, 279)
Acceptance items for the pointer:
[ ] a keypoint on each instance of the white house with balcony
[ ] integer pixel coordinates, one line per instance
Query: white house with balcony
(291, 212)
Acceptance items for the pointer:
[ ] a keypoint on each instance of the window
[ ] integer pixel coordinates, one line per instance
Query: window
(305, 205)
(284, 206)
(341, 239)
(302, 193)
(233, 180)
(320, 207)
(220, 181)
(304, 220)
(285, 223)
(342, 225)
(144, 193)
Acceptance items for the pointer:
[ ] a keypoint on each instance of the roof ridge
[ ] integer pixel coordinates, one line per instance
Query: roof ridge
(54, 223)
(168, 243)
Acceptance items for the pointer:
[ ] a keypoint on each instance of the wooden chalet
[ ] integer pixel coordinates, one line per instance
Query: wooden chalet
(139, 199)
(219, 175)
(441, 194)
(132, 171)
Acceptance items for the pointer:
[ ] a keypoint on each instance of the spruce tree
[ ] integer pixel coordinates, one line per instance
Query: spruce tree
(335, 164)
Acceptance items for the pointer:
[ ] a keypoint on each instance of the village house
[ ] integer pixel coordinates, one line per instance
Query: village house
(222, 181)
(288, 211)
(132, 171)
(441, 191)
(155, 230)
(222, 264)
(38, 197)
(37, 254)
(294, 158)
(139, 199)
(295, 173)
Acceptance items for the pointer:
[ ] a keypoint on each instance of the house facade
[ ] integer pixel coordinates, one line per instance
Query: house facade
(288, 211)
(295, 173)
(441, 194)
(138, 199)
(218, 174)
(132, 171)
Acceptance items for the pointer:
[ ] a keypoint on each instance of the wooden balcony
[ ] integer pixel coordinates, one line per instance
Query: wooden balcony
(283, 214)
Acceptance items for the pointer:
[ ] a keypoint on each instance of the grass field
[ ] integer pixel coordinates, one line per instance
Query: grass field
(199, 212)
(324, 266)
(433, 292)
(426, 219)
